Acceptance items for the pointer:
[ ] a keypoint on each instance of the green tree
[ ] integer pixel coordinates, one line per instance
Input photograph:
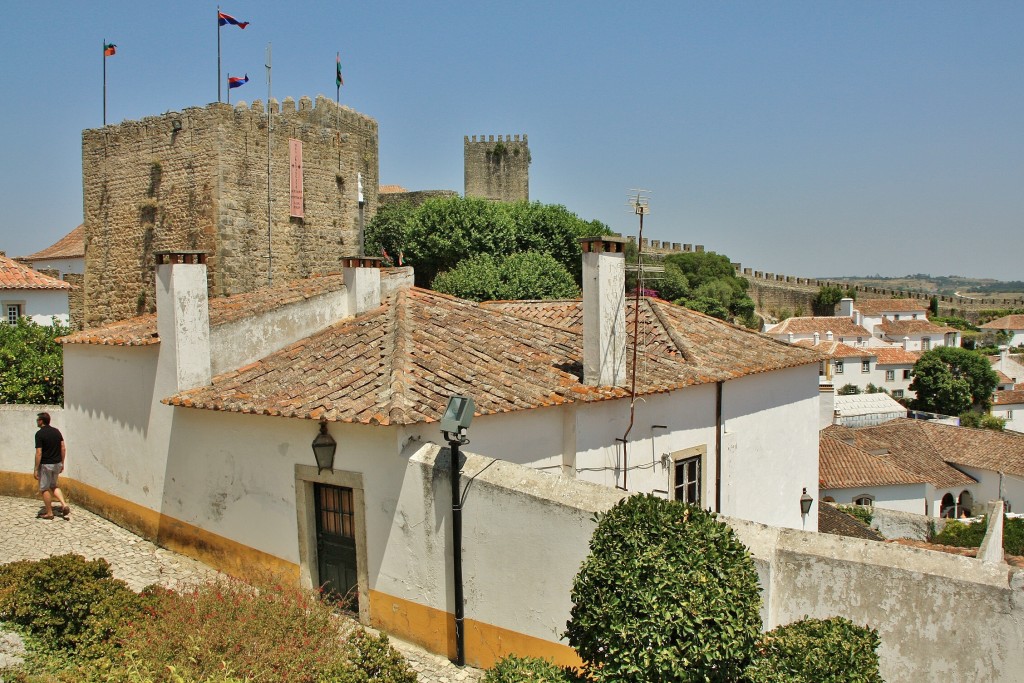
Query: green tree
(667, 593)
(712, 284)
(982, 421)
(951, 380)
(824, 302)
(848, 390)
(817, 651)
(528, 275)
(31, 363)
(933, 305)
(442, 232)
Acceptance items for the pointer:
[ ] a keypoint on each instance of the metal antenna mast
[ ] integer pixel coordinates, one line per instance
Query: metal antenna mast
(639, 200)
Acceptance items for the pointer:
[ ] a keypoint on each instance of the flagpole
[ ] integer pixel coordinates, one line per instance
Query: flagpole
(104, 81)
(218, 57)
(270, 127)
(229, 87)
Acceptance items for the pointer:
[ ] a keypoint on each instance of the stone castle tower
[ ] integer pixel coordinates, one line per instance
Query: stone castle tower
(497, 169)
(198, 180)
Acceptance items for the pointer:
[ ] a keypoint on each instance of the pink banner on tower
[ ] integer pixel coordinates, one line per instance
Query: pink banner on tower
(295, 177)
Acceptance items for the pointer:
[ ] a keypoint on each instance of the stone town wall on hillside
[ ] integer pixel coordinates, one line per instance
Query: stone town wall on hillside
(778, 292)
(198, 180)
(497, 169)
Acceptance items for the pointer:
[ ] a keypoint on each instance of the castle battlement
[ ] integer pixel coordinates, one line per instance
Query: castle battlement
(498, 170)
(490, 139)
(263, 207)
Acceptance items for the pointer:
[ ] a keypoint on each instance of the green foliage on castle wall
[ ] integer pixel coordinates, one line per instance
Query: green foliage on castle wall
(443, 232)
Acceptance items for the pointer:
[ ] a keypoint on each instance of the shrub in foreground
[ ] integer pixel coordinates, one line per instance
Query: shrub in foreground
(68, 602)
(513, 669)
(831, 650)
(667, 593)
(270, 632)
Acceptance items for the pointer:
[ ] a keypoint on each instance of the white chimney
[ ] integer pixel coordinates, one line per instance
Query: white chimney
(817, 338)
(906, 343)
(846, 308)
(790, 338)
(362, 283)
(604, 311)
(828, 335)
(182, 319)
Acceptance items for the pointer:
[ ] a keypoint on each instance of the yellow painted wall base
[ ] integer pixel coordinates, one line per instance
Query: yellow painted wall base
(434, 630)
(230, 557)
(425, 626)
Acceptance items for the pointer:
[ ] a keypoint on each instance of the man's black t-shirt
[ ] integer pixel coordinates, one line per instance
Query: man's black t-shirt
(49, 439)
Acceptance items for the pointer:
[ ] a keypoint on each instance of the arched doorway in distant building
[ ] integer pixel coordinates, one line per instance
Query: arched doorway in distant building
(948, 507)
(966, 504)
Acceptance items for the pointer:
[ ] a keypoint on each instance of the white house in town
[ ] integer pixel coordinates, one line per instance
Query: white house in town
(940, 469)
(201, 435)
(1013, 325)
(66, 255)
(871, 312)
(843, 364)
(25, 292)
(829, 328)
(916, 335)
(893, 370)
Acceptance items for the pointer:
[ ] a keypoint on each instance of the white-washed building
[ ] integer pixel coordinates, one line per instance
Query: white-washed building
(25, 292)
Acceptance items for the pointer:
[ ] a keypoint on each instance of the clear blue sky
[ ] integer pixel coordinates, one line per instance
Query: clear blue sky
(817, 138)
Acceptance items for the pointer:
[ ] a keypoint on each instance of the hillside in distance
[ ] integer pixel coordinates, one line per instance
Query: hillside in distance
(941, 284)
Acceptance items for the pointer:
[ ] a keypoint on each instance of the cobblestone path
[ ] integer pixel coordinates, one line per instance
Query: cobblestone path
(139, 563)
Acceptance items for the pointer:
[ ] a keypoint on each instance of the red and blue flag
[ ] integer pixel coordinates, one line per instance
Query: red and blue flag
(236, 82)
(228, 19)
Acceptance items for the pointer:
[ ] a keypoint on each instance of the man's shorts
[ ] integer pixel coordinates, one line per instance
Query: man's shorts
(48, 476)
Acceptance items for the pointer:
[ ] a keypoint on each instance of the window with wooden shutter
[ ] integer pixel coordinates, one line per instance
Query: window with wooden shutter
(295, 178)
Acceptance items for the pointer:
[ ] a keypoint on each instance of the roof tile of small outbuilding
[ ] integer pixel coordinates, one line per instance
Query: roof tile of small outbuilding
(1007, 322)
(876, 307)
(901, 328)
(71, 245)
(843, 466)
(14, 275)
(839, 326)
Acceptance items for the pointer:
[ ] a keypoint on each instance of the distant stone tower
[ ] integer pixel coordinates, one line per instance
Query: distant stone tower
(198, 180)
(497, 169)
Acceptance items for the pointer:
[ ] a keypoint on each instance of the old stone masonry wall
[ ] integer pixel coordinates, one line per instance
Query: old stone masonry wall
(198, 180)
(497, 169)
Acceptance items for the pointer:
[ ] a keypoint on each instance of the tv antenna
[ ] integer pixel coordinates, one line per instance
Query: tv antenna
(639, 202)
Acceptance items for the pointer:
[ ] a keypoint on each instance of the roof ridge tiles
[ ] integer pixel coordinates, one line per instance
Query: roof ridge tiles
(401, 346)
(677, 341)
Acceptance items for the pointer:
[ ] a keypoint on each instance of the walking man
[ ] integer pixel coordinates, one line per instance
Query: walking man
(50, 455)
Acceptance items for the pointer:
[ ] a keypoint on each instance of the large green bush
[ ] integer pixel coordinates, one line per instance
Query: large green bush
(443, 232)
(527, 275)
(817, 651)
(513, 669)
(667, 593)
(31, 363)
(69, 602)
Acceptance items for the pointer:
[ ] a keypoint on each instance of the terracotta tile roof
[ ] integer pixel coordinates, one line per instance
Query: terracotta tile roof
(1007, 322)
(14, 275)
(141, 331)
(844, 466)
(1003, 377)
(839, 326)
(71, 245)
(902, 328)
(838, 523)
(399, 363)
(876, 307)
(895, 355)
(567, 314)
(982, 448)
(834, 349)
(1009, 396)
(910, 446)
(391, 189)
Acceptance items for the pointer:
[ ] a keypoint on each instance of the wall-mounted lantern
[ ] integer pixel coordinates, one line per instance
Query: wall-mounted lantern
(805, 506)
(324, 447)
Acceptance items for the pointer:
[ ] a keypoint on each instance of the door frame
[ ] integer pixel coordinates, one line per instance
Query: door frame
(305, 509)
